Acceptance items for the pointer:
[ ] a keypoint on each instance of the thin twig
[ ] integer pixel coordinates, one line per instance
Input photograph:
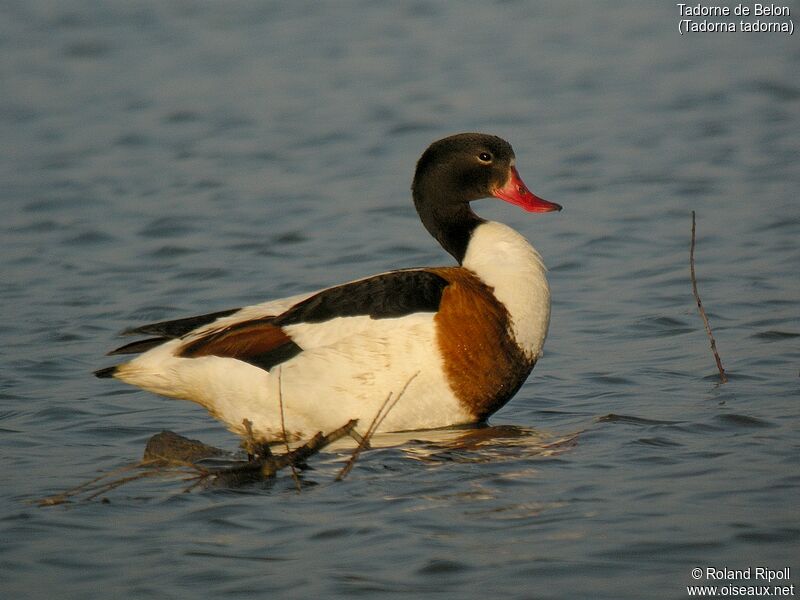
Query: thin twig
(295, 476)
(314, 445)
(255, 450)
(249, 441)
(92, 484)
(363, 443)
(383, 411)
(122, 481)
(196, 481)
(722, 376)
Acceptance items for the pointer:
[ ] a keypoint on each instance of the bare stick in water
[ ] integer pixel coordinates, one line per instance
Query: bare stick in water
(722, 376)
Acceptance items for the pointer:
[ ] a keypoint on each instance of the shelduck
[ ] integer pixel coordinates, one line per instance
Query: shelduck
(451, 344)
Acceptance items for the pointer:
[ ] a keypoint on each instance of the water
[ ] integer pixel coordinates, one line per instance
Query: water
(166, 159)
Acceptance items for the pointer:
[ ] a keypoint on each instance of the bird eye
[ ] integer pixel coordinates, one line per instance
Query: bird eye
(485, 157)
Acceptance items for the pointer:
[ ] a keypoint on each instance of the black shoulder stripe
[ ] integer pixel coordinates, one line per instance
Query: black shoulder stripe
(393, 294)
(178, 327)
(139, 346)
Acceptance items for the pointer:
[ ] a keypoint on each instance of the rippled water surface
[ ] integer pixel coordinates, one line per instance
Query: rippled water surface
(167, 159)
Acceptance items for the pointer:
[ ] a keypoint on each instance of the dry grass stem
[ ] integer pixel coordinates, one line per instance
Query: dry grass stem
(295, 476)
(93, 485)
(722, 376)
(383, 411)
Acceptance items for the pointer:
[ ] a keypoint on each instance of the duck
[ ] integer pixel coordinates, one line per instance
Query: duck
(404, 350)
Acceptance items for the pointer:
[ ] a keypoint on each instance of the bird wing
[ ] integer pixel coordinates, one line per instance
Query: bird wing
(268, 334)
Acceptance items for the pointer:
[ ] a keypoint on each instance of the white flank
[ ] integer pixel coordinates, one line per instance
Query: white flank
(347, 369)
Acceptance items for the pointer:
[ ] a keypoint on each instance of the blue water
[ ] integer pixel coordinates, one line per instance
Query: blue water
(167, 159)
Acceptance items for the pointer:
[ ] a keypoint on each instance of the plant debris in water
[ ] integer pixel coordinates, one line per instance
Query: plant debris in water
(168, 453)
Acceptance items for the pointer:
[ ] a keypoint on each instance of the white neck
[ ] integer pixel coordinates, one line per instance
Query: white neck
(504, 260)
